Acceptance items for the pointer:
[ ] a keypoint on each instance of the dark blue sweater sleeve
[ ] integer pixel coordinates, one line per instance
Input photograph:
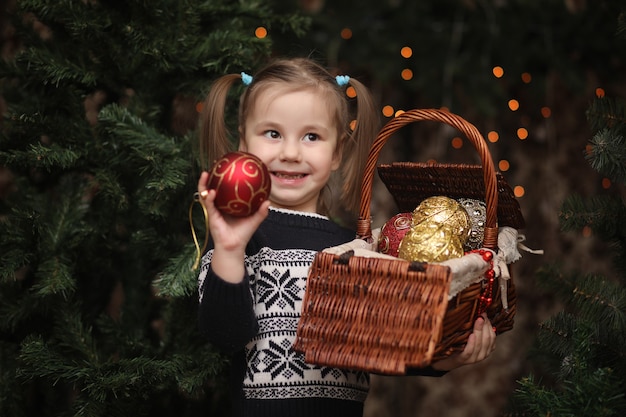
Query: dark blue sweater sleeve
(225, 314)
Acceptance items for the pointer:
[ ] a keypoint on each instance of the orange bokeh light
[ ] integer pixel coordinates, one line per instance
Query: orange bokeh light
(351, 92)
(526, 77)
(504, 165)
(600, 92)
(493, 136)
(498, 72)
(513, 104)
(399, 112)
(406, 52)
(606, 183)
(346, 33)
(522, 133)
(407, 74)
(260, 32)
(519, 191)
(388, 111)
(457, 142)
(546, 112)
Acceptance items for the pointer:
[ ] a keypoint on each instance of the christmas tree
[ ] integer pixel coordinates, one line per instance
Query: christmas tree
(580, 350)
(97, 169)
(97, 292)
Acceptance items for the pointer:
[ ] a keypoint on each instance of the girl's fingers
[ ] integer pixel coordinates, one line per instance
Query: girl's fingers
(488, 338)
(202, 184)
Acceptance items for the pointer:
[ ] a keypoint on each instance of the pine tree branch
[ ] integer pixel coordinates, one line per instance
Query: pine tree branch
(604, 112)
(602, 301)
(606, 215)
(607, 154)
(177, 278)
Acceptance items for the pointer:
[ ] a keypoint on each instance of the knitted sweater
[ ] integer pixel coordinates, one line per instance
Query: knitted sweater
(256, 321)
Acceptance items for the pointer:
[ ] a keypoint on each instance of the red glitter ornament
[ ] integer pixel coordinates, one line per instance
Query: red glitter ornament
(242, 183)
(392, 232)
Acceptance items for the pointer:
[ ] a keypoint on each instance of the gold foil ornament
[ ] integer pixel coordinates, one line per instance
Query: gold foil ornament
(440, 228)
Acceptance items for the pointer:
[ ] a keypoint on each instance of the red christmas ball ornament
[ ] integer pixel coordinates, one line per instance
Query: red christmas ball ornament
(241, 181)
(392, 232)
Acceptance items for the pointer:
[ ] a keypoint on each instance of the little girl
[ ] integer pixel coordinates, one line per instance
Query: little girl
(295, 117)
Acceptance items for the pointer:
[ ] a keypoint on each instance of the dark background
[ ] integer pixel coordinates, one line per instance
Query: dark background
(556, 55)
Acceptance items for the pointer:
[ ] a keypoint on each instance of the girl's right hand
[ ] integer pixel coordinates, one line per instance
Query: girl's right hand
(230, 234)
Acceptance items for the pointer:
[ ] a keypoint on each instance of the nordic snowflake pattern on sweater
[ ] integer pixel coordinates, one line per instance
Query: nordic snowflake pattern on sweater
(275, 370)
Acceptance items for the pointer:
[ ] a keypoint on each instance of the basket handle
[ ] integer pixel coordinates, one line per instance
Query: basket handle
(364, 223)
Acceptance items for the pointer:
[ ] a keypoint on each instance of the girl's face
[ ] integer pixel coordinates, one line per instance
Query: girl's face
(294, 134)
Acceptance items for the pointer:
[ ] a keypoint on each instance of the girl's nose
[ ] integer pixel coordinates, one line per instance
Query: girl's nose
(290, 151)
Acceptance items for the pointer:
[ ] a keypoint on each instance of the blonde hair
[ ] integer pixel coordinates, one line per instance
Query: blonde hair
(300, 73)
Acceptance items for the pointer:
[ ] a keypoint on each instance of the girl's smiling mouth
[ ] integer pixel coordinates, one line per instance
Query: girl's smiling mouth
(288, 175)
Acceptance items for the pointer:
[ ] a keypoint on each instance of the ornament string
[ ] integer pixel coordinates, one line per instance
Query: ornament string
(199, 250)
(486, 296)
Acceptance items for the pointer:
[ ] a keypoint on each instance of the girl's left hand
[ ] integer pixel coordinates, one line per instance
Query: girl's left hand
(479, 346)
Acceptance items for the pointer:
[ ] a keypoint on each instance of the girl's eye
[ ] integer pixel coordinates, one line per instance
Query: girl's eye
(272, 134)
(311, 137)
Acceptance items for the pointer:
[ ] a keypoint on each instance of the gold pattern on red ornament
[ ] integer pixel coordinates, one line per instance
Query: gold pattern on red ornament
(241, 181)
(392, 232)
(439, 229)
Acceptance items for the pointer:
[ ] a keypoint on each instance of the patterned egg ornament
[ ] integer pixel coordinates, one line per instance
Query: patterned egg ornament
(477, 211)
(439, 230)
(242, 183)
(392, 232)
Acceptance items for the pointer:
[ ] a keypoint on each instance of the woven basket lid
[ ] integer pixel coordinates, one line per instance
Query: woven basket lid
(411, 182)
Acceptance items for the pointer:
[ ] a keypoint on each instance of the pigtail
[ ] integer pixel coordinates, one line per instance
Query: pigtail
(214, 140)
(357, 147)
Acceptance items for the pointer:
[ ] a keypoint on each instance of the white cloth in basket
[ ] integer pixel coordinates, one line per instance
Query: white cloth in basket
(465, 270)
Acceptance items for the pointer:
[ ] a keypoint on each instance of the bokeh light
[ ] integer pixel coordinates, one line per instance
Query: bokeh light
(351, 92)
(387, 111)
(526, 77)
(346, 33)
(606, 183)
(457, 142)
(522, 133)
(493, 136)
(513, 104)
(498, 72)
(407, 74)
(260, 32)
(600, 92)
(587, 231)
(399, 112)
(406, 52)
(504, 165)
(353, 124)
(519, 191)
(546, 112)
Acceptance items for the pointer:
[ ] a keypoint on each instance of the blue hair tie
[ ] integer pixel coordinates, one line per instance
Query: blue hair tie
(245, 78)
(342, 80)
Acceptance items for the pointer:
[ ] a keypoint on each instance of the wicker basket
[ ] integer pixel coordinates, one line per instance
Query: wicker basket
(387, 315)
